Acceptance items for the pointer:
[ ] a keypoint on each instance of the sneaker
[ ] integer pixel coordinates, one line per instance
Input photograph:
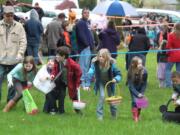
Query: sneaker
(100, 118)
(52, 112)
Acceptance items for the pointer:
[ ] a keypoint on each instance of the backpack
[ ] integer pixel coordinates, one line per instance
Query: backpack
(61, 41)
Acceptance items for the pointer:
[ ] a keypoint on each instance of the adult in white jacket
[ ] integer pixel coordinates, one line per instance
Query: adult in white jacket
(12, 44)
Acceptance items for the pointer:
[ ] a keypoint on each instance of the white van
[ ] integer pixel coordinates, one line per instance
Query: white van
(175, 16)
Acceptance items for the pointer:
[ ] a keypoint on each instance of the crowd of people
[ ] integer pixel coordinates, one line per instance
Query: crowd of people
(19, 57)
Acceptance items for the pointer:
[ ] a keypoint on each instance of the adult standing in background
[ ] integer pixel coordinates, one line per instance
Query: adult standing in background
(39, 10)
(110, 38)
(139, 42)
(53, 33)
(34, 30)
(9, 3)
(13, 44)
(173, 42)
(36, 7)
(85, 44)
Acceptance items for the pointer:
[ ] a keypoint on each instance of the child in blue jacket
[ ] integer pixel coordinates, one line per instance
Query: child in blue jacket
(104, 69)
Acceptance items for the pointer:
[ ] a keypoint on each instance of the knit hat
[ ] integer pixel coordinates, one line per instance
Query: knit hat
(8, 9)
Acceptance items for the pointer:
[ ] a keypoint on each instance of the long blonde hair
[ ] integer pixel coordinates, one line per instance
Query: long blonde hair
(106, 55)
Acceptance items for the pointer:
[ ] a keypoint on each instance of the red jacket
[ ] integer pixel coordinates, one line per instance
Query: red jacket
(73, 76)
(173, 43)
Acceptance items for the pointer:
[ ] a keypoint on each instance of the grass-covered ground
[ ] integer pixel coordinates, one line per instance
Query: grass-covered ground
(17, 122)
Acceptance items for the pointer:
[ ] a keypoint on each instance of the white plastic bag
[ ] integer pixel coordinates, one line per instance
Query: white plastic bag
(44, 85)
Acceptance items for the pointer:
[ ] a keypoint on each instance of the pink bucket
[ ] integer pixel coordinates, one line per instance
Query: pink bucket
(141, 102)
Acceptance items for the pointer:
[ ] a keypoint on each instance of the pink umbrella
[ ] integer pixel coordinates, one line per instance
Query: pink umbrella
(66, 4)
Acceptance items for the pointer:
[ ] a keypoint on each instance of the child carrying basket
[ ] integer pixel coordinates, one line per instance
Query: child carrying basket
(104, 69)
(137, 81)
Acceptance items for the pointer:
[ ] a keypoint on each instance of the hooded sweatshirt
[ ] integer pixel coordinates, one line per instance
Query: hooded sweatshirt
(110, 39)
(33, 28)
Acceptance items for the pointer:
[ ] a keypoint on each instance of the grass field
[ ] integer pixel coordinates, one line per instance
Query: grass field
(17, 122)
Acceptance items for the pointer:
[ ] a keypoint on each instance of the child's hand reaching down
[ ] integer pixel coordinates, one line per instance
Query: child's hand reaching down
(140, 95)
(114, 80)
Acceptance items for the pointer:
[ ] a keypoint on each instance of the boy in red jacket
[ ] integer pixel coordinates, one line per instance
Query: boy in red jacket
(66, 73)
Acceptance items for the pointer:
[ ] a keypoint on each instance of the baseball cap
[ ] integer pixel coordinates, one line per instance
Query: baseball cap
(8, 9)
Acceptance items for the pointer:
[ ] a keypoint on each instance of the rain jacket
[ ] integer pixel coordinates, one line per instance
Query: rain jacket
(113, 72)
(110, 39)
(173, 43)
(12, 46)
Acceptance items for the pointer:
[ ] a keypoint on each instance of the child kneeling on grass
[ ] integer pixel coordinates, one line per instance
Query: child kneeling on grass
(104, 68)
(136, 81)
(20, 77)
(176, 87)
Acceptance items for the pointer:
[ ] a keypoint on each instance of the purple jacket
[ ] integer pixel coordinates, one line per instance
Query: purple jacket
(110, 39)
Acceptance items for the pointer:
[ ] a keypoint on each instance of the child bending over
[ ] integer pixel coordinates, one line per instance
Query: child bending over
(104, 68)
(19, 78)
(136, 81)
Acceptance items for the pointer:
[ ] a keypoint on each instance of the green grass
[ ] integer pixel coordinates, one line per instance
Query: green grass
(18, 122)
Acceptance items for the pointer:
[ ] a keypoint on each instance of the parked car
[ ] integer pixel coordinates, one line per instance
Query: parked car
(50, 15)
(174, 15)
(47, 18)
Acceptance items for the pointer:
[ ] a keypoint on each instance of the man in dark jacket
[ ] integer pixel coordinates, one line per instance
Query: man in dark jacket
(39, 10)
(85, 44)
(139, 42)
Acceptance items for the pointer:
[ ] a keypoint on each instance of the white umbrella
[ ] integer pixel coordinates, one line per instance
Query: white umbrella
(115, 8)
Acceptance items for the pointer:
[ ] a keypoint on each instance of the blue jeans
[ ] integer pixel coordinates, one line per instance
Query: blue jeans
(4, 69)
(100, 105)
(84, 62)
(169, 66)
(32, 50)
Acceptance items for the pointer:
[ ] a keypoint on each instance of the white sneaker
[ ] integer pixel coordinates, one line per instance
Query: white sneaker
(100, 118)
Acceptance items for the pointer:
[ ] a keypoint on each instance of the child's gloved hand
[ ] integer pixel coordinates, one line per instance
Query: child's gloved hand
(10, 83)
(140, 95)
(174, 96)
(114, 80)
(29, 84)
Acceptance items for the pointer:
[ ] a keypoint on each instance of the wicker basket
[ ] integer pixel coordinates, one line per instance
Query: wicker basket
(113, 100)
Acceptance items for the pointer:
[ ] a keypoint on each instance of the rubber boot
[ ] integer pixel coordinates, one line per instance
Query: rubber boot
(9, 106)
(135, 114)
(139, 112)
